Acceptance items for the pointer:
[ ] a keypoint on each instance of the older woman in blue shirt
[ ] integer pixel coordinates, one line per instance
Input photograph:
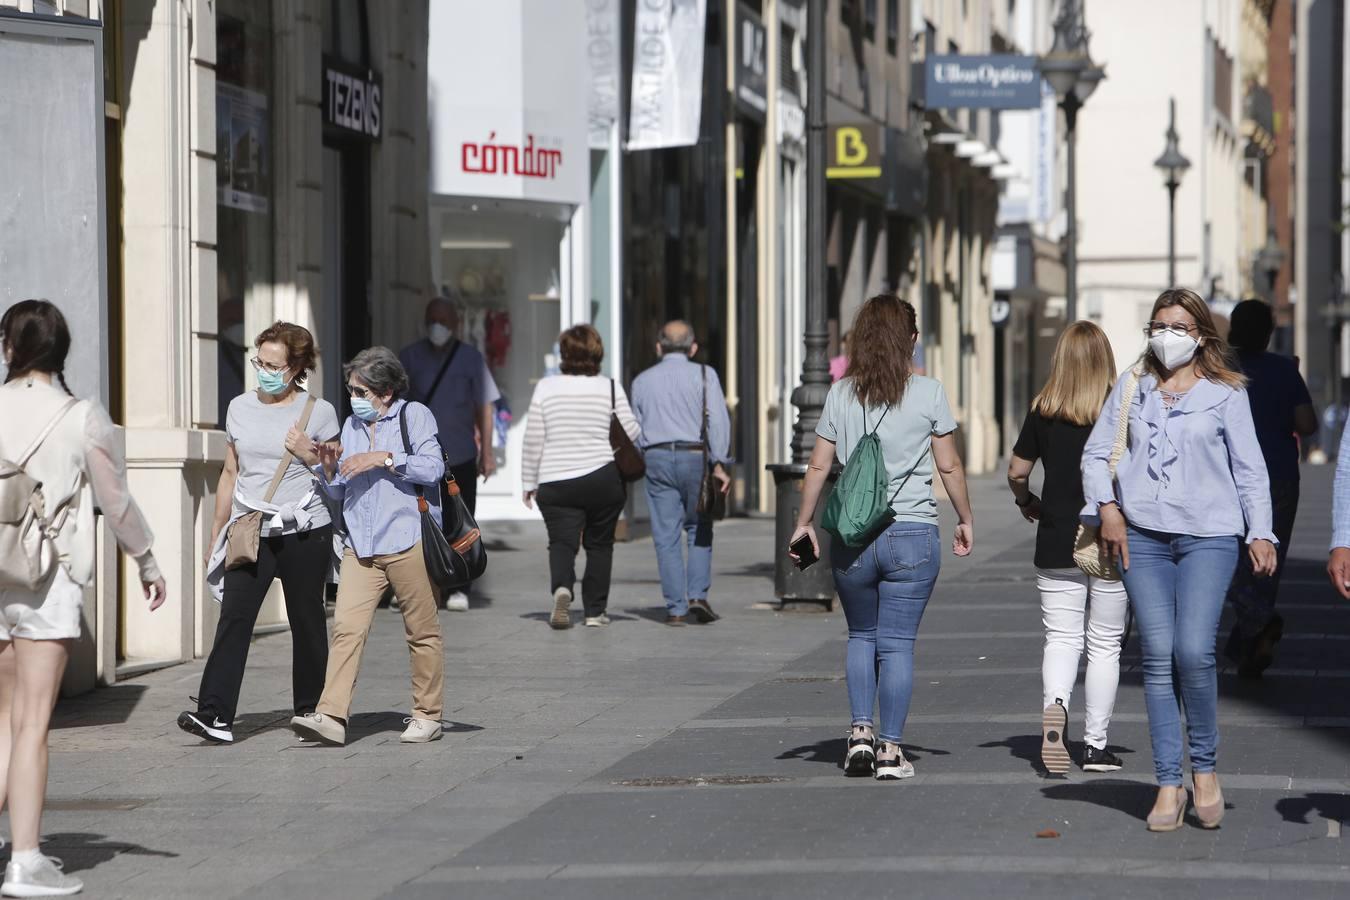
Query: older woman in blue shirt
(375, 475)
(1190, 486)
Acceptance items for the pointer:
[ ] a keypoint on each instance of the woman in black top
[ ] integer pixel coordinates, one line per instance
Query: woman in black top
(1056, 428)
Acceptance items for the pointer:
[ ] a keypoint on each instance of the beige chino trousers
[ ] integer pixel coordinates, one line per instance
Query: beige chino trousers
(362, 582)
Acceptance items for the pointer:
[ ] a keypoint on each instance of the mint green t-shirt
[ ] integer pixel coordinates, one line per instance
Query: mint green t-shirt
(905, 433)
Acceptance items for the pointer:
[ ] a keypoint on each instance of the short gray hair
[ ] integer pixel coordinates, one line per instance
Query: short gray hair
(379, 369)
(676, 337)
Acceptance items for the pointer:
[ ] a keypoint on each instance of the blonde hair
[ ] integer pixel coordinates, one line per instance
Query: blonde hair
(1082, 373)
(1214, 359)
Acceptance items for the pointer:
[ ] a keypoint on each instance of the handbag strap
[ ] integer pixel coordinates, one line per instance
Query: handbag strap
(436, 382)
(45, 433)
(286, 455)
(1123, 421)
(407, 449)
(612, 400)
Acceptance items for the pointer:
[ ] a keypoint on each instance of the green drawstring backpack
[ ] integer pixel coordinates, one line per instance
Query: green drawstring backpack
(859, 508)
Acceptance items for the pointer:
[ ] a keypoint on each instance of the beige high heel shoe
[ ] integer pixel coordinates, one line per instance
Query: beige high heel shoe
(1170, 821)
(1209, 814)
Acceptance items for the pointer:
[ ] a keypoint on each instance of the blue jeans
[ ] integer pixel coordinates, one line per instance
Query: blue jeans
(673, 480)
(1177, 585)
(884, 588)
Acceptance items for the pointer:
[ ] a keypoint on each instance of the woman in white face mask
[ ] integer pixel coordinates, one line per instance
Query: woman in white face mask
(1189, 490)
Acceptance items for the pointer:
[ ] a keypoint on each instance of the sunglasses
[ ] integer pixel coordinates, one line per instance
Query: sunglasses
(354, 390)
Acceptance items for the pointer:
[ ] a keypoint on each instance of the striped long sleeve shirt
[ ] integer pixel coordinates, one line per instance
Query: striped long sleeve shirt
(567, 428)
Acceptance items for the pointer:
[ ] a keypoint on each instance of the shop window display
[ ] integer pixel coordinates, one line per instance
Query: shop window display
(244, 190)
(501, 271)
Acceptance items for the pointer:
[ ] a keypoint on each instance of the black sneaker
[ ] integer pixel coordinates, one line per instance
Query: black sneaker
(1055, 739)
(1102, 760)
(861, 758)
(207, 727)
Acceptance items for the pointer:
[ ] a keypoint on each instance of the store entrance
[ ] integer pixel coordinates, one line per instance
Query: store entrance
(344, 325)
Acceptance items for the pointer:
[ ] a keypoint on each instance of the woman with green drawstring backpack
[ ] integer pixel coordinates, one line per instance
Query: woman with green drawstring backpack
(891, 429)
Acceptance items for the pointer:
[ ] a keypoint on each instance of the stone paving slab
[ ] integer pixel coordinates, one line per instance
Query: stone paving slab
(529, 793)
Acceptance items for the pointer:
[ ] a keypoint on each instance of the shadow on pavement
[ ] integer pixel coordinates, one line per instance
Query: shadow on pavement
(111, 705)
(1130, 797)
(578, 618)
(1327, 806)
(79, 851)
(831, 752)
(1028, 747)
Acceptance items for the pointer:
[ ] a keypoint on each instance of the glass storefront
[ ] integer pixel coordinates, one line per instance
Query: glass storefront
(499, 262)
(244, 189)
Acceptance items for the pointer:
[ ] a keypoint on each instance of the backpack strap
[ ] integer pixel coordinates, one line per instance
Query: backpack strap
(46, 432)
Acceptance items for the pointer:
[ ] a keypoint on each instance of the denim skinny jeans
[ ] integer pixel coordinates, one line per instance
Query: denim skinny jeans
(884, 588)
(1177, 584)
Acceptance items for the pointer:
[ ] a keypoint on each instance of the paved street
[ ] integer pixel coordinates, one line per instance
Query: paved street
(644, 761)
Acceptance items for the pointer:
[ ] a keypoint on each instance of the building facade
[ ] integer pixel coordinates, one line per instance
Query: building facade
(264, 161)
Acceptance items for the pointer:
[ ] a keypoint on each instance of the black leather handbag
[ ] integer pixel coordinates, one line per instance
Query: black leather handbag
(712, 503)
(454, 553)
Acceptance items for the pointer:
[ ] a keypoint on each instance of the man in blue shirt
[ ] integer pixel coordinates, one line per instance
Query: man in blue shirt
(1282, 411)
(672, 400)
(452, 378)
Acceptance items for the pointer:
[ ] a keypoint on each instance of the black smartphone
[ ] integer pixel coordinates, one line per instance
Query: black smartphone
(805, 550)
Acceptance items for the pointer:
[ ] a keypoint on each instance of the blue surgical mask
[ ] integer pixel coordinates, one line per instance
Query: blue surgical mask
(364, 410)
(273, 383)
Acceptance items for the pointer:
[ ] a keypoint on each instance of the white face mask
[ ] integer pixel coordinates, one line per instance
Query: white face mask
(1173, 350)
(438, 334)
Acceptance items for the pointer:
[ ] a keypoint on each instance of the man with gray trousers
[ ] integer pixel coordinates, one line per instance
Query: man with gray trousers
(671, 400)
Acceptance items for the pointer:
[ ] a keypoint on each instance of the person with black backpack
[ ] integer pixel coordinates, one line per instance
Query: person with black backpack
(452, 379)
(890, 428)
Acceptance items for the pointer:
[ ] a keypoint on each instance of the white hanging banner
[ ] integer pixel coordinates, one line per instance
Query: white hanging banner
(602, 56)
(667, 97)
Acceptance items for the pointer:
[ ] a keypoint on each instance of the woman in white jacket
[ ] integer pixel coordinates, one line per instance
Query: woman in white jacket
(80, 465)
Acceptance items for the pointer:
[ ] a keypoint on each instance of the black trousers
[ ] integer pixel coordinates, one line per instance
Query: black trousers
(466, 475)
(301, 561)
(582, 512)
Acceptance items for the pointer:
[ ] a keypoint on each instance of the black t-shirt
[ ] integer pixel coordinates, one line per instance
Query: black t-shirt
(1059, 447)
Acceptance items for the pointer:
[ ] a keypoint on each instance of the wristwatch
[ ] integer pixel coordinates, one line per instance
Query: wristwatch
(389, 461)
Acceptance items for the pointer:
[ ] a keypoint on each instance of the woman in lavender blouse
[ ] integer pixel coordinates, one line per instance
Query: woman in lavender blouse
(1190, 487)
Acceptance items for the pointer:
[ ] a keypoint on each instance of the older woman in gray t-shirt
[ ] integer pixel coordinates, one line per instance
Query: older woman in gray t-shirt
(296, 534)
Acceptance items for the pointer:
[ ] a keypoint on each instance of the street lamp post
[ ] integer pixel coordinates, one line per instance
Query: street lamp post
(1069, 69)
(816, 583)
(1269, 261)
(1173, 166)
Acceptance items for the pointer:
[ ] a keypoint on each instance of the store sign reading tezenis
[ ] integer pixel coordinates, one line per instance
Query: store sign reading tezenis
(352, 100)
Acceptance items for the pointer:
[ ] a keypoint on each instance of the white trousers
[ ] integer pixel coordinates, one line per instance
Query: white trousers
(1069, 617)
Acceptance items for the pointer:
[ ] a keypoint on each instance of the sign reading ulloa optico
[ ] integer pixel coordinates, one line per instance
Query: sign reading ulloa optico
(352, 100)
(982, 82)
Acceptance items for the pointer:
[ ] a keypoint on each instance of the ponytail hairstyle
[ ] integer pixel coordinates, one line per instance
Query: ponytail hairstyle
(35, 338)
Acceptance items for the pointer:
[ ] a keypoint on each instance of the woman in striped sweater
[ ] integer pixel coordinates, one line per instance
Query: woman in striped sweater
(568, 467)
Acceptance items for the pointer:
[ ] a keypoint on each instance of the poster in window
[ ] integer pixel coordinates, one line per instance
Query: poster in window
(243, 171)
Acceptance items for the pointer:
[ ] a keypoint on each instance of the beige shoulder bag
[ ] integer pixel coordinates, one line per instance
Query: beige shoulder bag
(1087, 550)
(245, 532)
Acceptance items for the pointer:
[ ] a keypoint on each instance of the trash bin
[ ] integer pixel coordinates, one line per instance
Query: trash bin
(791, 584)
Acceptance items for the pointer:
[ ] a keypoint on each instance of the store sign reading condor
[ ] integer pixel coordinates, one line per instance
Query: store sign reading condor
(525, 160)
(352, 100)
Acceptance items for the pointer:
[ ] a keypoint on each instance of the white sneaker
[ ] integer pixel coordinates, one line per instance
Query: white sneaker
(420, 731)
(457, 602)
(318, 727)
(561, 618)
(597, 621)
(42, 879)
